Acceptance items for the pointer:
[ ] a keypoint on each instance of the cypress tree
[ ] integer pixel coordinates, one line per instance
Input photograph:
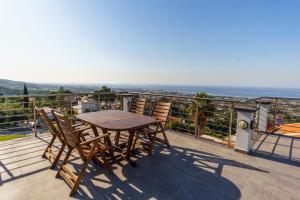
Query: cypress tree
(26, 99)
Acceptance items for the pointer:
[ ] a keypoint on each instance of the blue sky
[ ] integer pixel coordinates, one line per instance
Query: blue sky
(203, 42)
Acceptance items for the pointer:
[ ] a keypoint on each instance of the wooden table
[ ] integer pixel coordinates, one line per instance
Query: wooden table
(115, 120)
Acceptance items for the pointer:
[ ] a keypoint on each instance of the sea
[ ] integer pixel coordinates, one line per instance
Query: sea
(247, 92)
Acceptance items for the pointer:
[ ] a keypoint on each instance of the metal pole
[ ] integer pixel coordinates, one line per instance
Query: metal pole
(230, 124)
(34, 118)
(71, 106)
(98, 102)
(170, 114)
(197, 120)
(122, 102)
(275, 113)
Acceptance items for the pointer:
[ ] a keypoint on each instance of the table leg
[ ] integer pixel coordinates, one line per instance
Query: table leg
(94, 128)
(130, 140)
(117, 138)
(109, 143)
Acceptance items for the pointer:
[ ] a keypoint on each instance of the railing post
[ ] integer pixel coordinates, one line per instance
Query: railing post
(34, 118)
(263, 115)
(197, 120)
(98, 102)
(121, 102)
(230, 124)
(71, 105)
(275, 113)
(245, 117)
(170, 114)
(258, 117)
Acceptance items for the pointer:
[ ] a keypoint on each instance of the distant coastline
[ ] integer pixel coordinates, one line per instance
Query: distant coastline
(245, 92)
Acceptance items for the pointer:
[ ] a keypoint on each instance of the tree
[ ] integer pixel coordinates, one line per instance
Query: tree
(62, 90)
(107, 95)
(26, 98)
(205, 111)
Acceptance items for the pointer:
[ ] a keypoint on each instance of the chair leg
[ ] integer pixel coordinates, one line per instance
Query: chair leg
(65, 161)
(49, 146)
(152, 141)
(82, 171)
(106, 163)
(111, 150)
(58, 156)
(135, 140)
(165, 137)
(80, 176)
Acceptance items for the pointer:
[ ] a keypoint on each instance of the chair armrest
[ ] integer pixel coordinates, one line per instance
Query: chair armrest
(77, 125)
(96, 139)
(81, 130)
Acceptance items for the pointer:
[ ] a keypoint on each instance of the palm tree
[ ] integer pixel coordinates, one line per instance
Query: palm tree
(205, 111)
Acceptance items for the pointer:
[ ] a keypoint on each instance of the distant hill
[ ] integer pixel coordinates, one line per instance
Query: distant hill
(9, 91)
(10, 87)
(17, 84)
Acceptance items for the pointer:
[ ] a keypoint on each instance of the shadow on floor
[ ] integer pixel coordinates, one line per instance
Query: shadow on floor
(268, 147)
(175, 173)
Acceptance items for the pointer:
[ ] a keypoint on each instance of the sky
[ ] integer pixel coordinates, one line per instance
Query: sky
(182, 42)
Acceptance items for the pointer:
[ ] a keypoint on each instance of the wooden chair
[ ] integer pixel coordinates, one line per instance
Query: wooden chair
(161, 112)
(93, 149)
(49, 153)
(56, 134)
(137, 106)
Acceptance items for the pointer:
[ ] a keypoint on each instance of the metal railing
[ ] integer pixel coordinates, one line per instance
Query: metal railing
(283, 116)
(17, 114)
(214, 116)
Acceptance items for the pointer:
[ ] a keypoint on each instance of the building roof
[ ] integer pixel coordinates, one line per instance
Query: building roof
(289, 129)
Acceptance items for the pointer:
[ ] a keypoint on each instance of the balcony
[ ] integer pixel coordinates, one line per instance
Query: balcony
(190, 169)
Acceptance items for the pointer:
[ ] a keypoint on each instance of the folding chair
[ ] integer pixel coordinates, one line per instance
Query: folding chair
(49, 153)
(137, 106)
(93, 149)
(161, 112)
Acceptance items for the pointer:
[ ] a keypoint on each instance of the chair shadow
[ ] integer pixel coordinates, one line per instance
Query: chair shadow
(27, 154)
(272, 155)
(175, 173)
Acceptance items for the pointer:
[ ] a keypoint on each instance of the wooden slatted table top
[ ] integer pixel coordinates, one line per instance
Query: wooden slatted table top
(116, 120)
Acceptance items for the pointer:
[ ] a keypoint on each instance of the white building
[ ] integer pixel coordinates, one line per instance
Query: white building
(87, 105)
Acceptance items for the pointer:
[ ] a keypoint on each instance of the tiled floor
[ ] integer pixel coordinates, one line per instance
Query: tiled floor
(191, 169)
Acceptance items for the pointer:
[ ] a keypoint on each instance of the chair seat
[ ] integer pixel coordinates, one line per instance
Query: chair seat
(151, 130)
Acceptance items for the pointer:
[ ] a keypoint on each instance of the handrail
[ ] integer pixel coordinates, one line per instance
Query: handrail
(222, 120)
(214, 98)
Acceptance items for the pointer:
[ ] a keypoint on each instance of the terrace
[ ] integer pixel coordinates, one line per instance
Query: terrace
(190, 169)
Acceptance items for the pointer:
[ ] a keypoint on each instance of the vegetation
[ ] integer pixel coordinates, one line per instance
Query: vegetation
(205, 111)
(10, 137)
(106, 95)
(9, 91)
(26, 99)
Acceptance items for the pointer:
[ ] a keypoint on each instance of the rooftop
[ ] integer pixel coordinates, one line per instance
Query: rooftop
(191, 169)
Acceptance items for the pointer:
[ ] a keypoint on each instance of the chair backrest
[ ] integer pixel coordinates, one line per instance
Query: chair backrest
(138, 105)
(49, 123)
(161, 111)
(65, 126)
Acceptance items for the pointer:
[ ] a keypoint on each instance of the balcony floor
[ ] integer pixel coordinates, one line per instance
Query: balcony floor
(191, 169)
